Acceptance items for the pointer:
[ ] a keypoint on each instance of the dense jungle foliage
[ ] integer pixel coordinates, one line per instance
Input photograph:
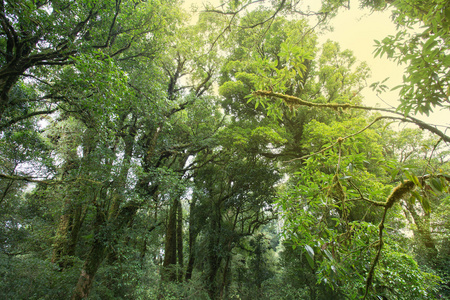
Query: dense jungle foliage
(146, 157)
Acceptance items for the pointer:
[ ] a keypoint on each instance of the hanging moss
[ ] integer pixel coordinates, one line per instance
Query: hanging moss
(336, 191)
(398, 192)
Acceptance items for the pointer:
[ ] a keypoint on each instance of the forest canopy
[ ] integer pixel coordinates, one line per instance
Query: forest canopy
(143, 156)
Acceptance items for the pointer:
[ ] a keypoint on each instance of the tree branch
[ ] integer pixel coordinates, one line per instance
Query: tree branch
(23, 117)
(295, 101)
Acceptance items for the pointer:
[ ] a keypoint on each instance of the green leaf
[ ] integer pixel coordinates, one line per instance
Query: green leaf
(429, 45)
(416, 180)
(415, 195)
(310, 255)
(328, 254)
(425, 204)
(88, 237)
(436, 185)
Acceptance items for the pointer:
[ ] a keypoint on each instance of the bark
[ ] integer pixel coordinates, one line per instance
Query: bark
(93, 260)
(99, 247)
(120, 183)
(5, 86)
(214, 263)
(180, 242)
(67, 235)
(70, 221)
(61, 238)
(170, 249)
(113, 218)
(173, 255)
(192, 237)
(90, 267)
(214, 260)
(11, 72)
(227, 268)
(226, 271)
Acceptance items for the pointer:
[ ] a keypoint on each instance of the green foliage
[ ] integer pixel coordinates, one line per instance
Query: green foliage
(399, 277)
(28, 277)
(329, 211)
(117, 118)
(425, 54)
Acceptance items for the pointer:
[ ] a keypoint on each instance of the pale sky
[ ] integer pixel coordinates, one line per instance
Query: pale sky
(356, 29)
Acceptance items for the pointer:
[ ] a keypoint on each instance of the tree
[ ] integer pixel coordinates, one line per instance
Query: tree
(235, 203)
(125, 176)
(39, 36)
(273, 91)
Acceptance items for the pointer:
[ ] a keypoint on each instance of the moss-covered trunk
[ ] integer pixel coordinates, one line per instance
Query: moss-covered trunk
(94, 258)
(90, 267)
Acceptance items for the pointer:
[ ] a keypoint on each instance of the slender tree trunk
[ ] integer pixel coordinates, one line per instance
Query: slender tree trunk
(424, 232)
(61, 238)
(170, 249)
(228, 259)
(67, 234)
(90, 267)
(77, 222)
(6, 84)
(93, 260)
(99, 246)
(180, 257)
(214, 260)
(192, 237)
(214, 263)
(225, 276)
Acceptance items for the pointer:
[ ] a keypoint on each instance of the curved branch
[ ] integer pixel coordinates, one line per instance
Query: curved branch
(280, 7)
(46, 181)
(295, 101)
(23, 117)
(27, 179)
(397, 193)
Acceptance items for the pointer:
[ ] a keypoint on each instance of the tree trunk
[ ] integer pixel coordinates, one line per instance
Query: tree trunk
(67, 236)
(6, 83)
(61, 238)
(214, 259)
(225, 276)
(93, 260)
(99, 246)
(90, 267)
(170, 249)
(424, 232)
(69, 223)
(180, 242)
(193, 230)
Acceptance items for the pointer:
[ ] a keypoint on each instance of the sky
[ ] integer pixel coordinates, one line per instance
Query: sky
(356, 29)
